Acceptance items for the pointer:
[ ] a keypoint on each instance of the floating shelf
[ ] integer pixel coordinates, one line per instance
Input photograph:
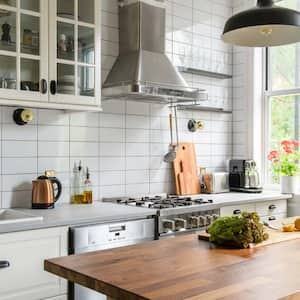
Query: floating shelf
(204, 73)
(204, 108)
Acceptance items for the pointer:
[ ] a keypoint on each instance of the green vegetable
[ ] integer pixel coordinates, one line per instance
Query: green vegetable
(238, 231)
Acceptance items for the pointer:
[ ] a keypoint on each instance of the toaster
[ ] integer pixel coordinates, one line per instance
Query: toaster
(216, 183)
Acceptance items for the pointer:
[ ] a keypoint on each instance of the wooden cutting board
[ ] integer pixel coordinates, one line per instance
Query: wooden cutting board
(186, 170)
(275, 236)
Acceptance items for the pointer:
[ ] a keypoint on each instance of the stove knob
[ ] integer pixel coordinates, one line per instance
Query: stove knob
(194, 222)
(215, 217)
(209, 219)
(180, 224)
(168, 225)
(202, 221)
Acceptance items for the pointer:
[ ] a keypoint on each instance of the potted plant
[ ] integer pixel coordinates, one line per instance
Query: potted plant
(285, 164)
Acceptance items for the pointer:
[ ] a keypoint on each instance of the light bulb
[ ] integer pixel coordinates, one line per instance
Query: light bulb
(266, 31)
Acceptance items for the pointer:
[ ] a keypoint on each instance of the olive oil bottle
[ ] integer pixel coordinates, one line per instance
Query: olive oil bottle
(88, 192)
(77, 195)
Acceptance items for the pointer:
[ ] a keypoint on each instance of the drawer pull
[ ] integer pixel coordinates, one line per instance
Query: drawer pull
(272, 218)
(4, 264)
(237, 212)
(272, 207)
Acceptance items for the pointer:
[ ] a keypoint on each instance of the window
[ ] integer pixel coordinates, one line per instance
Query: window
(282, 94)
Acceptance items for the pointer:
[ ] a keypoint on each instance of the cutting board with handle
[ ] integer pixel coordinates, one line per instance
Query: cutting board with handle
(275, 236)
(186, 170)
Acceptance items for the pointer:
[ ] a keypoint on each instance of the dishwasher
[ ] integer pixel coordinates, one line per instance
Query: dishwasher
(106, 236)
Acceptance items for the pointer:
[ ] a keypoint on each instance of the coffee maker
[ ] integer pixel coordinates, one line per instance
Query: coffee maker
(244, 176)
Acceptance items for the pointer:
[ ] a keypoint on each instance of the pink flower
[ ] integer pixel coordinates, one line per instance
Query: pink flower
(273, 155)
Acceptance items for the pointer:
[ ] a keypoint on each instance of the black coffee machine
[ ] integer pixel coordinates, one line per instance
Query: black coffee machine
(244, 176)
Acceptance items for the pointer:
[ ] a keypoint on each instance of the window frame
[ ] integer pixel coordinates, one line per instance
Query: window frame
(268, 94)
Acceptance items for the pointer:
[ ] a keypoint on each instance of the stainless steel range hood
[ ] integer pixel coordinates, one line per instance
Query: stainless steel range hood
(143, 71)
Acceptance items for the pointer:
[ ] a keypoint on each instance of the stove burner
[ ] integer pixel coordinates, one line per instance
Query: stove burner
(159, 202)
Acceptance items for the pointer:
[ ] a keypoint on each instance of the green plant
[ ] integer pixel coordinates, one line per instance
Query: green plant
(285, 161)
(238, 231)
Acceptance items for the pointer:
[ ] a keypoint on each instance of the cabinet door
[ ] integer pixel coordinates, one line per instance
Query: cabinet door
(24, 276)
(24, 50)
(75, 68)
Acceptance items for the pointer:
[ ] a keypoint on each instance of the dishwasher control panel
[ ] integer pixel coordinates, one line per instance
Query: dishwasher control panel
(105, 236)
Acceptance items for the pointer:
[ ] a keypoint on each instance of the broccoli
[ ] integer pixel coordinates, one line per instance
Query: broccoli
(238, 231)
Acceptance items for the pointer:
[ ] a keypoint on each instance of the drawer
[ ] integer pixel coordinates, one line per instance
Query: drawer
(271, 207)
(25, 252)
(273, 217)
(236, 209)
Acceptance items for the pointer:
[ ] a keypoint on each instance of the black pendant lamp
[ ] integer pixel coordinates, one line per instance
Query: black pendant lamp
(265, 25)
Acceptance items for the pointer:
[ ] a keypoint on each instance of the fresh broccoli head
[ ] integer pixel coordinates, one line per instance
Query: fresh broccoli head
(238, 231)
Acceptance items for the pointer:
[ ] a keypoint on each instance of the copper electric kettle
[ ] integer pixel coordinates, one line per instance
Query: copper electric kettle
(44, 194)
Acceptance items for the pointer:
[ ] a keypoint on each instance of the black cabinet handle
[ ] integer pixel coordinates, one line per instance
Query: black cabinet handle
(44, 86)
(4, 264)
(53, 87)
(272, 218)
(237, 212)
(272, 206)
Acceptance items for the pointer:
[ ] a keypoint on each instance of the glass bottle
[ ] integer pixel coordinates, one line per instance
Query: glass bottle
(77, 196)
(88, 192)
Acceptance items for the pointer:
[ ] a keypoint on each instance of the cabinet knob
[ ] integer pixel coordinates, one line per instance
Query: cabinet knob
(272, 207)
(237, 212)
(53, 87)
(4, 264)
(43, 86)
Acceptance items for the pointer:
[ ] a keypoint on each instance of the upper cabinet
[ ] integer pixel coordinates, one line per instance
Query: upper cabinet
(50, 53)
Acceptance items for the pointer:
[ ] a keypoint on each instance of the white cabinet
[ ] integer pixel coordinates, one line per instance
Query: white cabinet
(25, 253)
(62, 297)
(272, 210)
(268, 211)
(50, 53)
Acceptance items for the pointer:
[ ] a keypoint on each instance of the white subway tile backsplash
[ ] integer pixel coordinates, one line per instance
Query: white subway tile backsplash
(22, 133)
(53, 133)
(84, 134)
(112, 149)
(19, 148)
(60, 164)
(53, 149)
(19, 165)
(84, 149)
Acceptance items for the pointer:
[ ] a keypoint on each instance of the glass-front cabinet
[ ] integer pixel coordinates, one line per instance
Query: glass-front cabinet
(23, 49)
(50, 51)
(74, 60)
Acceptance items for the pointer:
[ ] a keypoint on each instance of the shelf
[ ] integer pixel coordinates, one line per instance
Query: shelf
(204, 73)
(204, 108)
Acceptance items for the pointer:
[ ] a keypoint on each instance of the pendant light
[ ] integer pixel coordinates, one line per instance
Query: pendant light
(263, 26)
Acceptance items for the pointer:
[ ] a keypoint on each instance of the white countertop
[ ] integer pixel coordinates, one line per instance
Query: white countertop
(77, 215)
(98, 212)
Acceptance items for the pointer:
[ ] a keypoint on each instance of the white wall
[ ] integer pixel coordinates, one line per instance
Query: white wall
(124, 146)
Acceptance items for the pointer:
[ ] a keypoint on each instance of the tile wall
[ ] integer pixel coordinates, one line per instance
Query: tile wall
(124, 145)
(241, 82)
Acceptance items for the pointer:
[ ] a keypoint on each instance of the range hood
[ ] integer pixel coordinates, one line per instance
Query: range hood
(143, 71)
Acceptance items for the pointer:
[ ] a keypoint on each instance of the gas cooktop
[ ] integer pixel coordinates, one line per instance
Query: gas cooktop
(160, 202)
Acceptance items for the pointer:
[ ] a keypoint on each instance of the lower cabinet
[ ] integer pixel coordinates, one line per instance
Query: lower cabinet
(22, 276)
(62, 297)
(268, 211)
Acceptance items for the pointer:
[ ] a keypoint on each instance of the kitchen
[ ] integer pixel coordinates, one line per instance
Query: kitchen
(113, 141)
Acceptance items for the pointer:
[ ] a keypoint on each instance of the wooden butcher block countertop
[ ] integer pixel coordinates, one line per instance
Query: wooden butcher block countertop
(185, 268)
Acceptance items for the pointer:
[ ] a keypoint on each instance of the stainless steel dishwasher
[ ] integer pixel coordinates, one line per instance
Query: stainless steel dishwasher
(106, 236)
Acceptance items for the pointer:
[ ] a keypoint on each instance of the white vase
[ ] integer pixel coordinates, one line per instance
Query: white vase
(289, 184)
